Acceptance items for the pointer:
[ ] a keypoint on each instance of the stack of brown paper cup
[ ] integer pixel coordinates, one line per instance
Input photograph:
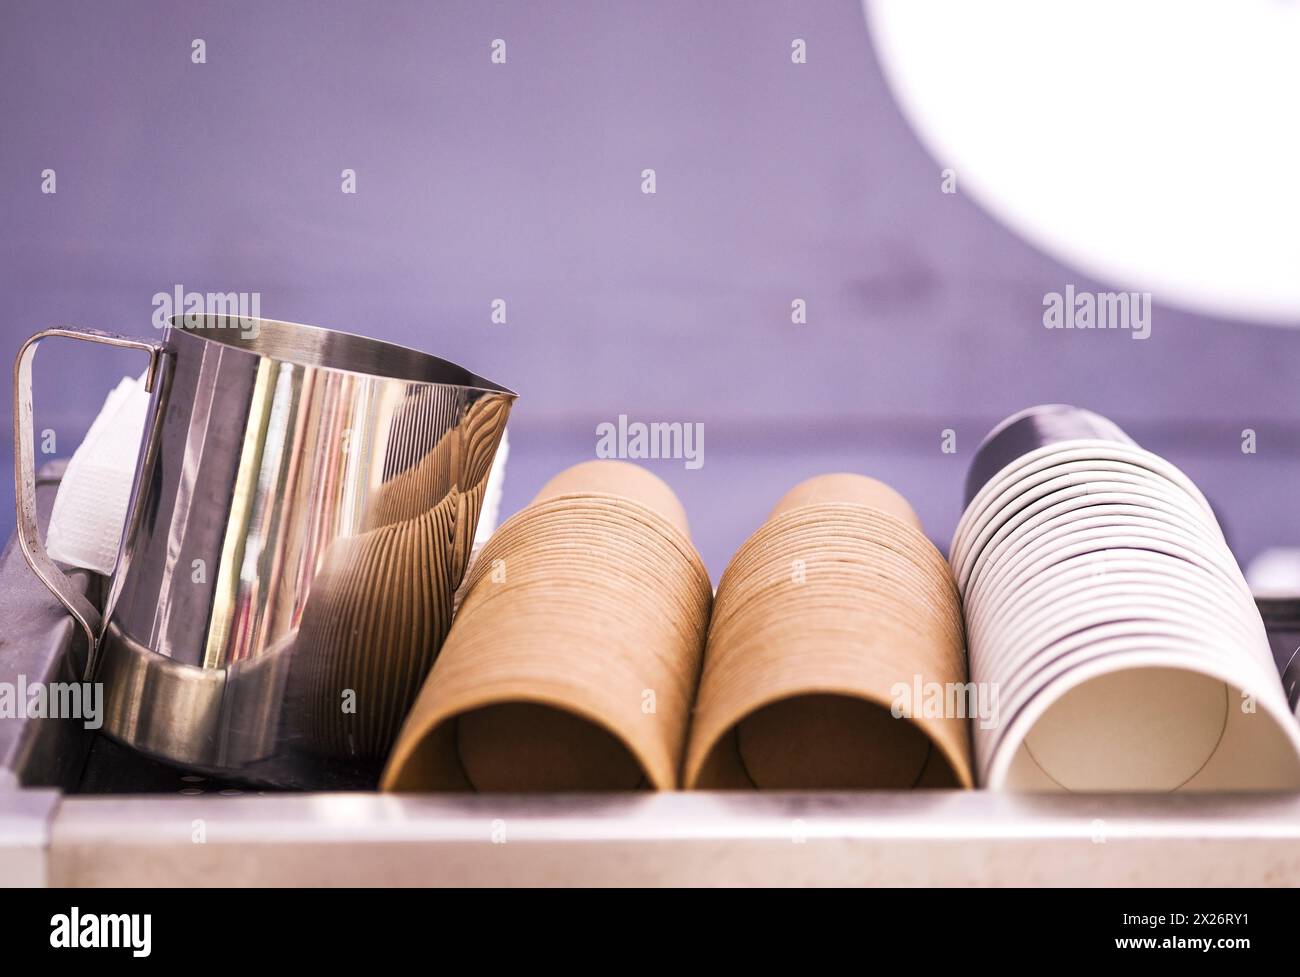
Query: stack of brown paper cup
(826, 622)
(574, 655)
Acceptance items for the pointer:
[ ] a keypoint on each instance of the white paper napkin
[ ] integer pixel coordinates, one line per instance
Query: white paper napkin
(90, 508)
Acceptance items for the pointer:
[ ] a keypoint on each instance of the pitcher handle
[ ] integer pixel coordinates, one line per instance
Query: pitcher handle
(29, 534)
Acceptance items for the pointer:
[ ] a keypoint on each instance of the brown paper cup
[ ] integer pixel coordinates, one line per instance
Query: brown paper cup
(574, 656)
(620, 478)
(836, 601)
(847, 487)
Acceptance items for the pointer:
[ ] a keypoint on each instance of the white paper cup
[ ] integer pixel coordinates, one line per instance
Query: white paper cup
(1049, 469)
(1066, 452)
(1030, 623)
(1076, 588)
(1062, 500)
(1152, 500)
(1196, 644)
(1051, 532)
(1104, 607)
(1148, 719)
(1021, 568)
(1101, 487)
(1033, 649)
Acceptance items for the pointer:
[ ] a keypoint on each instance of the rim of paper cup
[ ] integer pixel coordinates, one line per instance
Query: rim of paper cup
(1076, 450)
(1019, 566)
(1027, 499)
(1196, 645)
(1062, 582)
(1057, 604)
(1064, 453)
(995, 770)
(1006, 653)
(1023, 564)
(1060, 501)
(1043, 532)
(1038, 658)
(1111, 655)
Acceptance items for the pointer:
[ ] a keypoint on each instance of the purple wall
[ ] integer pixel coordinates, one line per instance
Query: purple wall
(522, 181)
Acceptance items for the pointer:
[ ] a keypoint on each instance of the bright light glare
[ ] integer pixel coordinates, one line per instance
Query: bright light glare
(1151, 144)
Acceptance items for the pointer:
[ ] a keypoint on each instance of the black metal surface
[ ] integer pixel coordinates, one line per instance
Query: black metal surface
(39, 643)
(1282, 620)
(111, 768)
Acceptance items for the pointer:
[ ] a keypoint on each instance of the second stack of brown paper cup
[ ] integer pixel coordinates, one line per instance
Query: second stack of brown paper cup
(834, 607)
(573, 659)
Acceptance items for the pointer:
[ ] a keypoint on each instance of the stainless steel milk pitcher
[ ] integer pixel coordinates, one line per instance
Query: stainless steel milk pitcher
(303, 509)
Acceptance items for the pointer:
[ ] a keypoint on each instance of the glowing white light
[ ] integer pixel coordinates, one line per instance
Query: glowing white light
(1153, 145)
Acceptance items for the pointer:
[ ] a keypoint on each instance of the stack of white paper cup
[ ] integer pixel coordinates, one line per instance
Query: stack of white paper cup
(1104, 607)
